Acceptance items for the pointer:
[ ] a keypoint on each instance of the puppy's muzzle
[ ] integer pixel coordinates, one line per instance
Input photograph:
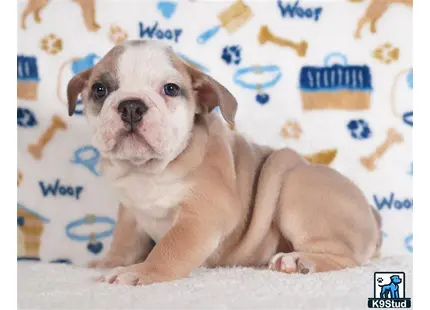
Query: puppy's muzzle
(132, 111)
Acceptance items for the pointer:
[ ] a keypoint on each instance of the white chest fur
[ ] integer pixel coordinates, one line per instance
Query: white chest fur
(153, 198)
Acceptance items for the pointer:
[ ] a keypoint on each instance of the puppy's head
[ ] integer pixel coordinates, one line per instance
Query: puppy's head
(141, 101)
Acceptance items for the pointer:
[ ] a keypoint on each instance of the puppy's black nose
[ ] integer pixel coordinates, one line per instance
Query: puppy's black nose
(131, 111)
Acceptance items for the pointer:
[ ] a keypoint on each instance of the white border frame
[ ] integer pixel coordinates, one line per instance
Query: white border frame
(8, 19)
(421, 138)
(421, 153)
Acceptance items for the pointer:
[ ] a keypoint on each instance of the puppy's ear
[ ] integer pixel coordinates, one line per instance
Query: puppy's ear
(210, 94)
(75, 87)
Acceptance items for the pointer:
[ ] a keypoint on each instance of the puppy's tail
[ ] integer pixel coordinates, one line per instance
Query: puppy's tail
(268, 189)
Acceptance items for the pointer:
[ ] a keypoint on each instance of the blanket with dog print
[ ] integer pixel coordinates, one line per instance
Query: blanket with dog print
(330, 79)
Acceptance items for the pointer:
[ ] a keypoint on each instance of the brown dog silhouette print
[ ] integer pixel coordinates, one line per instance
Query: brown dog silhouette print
(374, 12)
(87, 6)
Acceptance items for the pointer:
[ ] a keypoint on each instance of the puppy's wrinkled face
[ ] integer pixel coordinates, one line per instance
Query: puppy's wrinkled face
(141, 99)
(139, 105)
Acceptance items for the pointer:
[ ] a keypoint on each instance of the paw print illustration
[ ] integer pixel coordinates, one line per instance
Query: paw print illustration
(380, 280)
(232, 54)
(386, 53)
(117, 35)
(25, 118)
(359, 129)
(291, 129)
(51, 44)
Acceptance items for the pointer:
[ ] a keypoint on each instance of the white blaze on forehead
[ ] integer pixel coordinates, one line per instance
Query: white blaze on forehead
(145, 65)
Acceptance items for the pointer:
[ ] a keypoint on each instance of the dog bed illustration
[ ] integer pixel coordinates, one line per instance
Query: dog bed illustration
(28, 77)
(30, 226)
(338, 86)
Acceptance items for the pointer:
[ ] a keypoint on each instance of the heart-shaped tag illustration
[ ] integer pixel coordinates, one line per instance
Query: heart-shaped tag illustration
(262, 98)
(95, 247)
(167, 8)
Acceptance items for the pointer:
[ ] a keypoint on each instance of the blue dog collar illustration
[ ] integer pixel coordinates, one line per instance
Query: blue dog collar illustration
(87, 156)
(256, 70)
(261, 97)
(89, 220)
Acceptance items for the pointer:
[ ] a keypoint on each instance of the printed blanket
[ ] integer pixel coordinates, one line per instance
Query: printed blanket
(330, 79)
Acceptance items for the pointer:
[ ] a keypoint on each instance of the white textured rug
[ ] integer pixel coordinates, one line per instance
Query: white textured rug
(53, 286)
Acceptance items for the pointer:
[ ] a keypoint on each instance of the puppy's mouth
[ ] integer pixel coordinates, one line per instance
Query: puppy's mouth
(134, 136)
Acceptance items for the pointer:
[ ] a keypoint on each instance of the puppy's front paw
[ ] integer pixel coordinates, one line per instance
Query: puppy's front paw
(291, 263)
(132, 275)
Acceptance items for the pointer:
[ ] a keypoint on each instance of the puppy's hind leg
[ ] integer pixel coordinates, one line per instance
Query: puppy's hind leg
(327, 220)
(302, 262)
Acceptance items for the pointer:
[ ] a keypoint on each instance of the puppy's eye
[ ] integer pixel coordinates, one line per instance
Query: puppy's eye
(171, 90)
(99, 90)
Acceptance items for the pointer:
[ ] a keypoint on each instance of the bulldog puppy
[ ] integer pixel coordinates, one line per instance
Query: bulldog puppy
(204, 194)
